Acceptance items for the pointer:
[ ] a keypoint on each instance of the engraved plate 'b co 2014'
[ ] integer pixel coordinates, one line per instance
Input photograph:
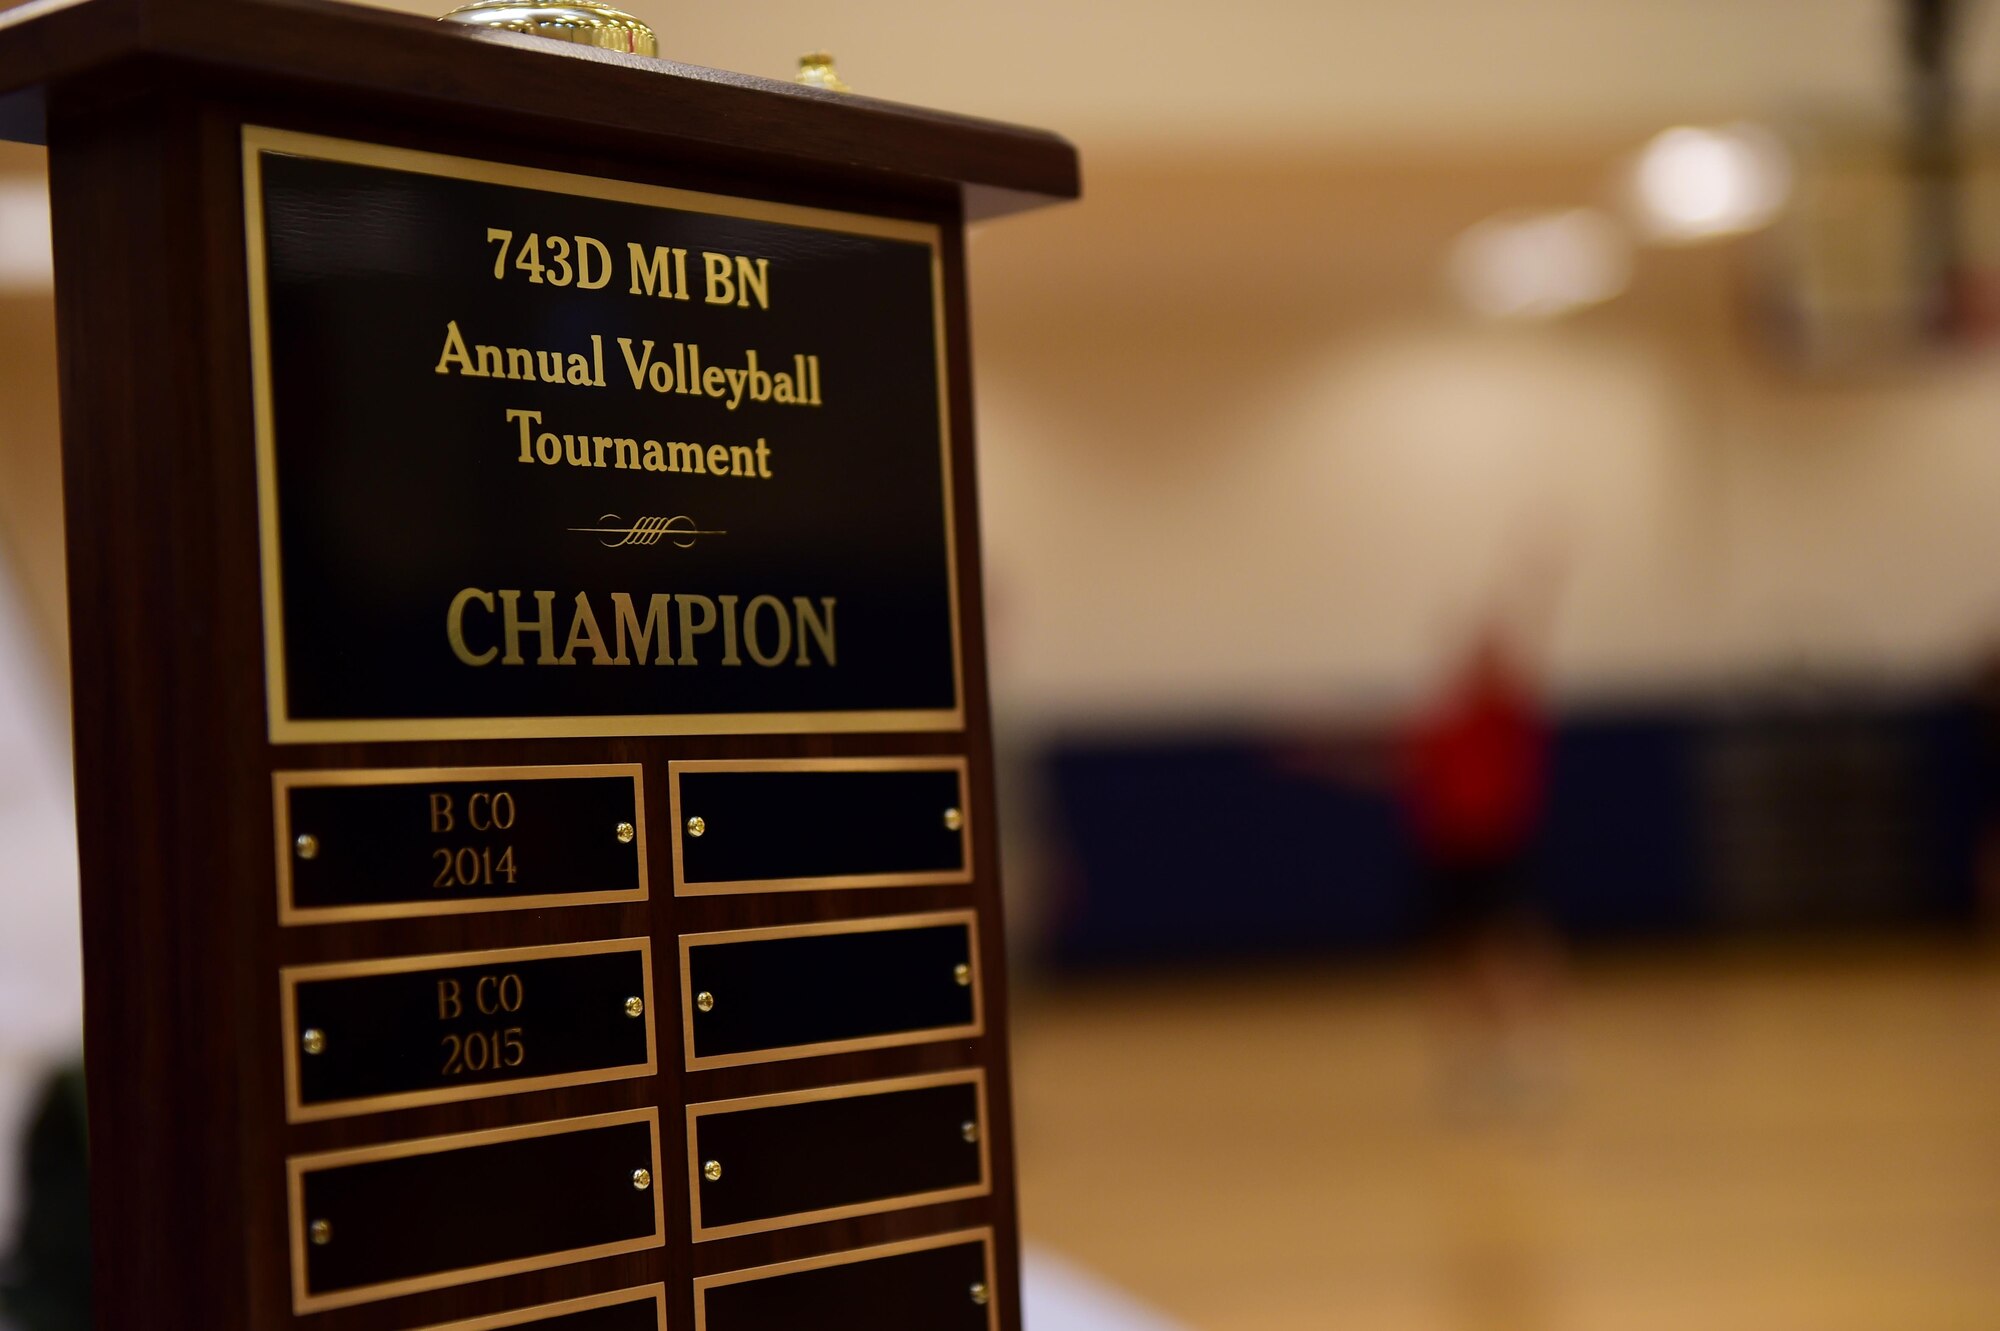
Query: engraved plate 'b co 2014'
(548, 454)
(375, 844)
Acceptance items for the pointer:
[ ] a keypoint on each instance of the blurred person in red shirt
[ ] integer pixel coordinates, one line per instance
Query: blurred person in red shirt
(1474, 786)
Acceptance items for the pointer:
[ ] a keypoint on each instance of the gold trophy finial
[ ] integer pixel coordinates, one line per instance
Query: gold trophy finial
(816, 71)
(585, 21)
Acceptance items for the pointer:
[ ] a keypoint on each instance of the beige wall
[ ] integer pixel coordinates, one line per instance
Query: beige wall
(1241, 451)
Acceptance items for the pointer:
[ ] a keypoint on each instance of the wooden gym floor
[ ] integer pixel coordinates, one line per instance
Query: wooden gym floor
(1774, 1142)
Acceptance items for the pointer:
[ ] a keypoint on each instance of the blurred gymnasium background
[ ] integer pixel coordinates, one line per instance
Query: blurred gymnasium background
(1684, 316)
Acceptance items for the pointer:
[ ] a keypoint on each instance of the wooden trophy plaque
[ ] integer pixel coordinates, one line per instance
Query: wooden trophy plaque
(534, 766)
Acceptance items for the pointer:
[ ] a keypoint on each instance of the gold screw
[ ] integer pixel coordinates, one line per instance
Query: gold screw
(626, 834)
(962, 973)
(953, 820)
(307, 845)
(816, 71)
(980, 1294)
(969, 1131)
(712, 1171)
(642, 1179)
(635, 1006)
(314, 1040)
(697, 825)
(321, 1232)
(705, 1001)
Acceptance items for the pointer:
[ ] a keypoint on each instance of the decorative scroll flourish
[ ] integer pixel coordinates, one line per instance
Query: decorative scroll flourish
(649, 531)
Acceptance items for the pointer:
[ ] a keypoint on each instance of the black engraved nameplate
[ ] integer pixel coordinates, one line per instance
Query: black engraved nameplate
(801, 1157)
(943, 1283)
(381, 1221)
(626, 1310)
(549, 454)
(365, 1036)
(752, 995)
(390, 842)
(794, 824)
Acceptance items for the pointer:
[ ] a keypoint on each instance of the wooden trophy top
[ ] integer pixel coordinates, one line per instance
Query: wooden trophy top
(511, 84)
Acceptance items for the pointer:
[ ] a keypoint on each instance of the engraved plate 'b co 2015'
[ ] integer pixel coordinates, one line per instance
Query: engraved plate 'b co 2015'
(367, 1036)
(549, 454)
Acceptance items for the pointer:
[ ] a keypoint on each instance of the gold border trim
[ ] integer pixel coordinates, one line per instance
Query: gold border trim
(983, 1236)
(298, 1166)
(550, 1311)
(733, 887)
(291, 977)
(282, 727)
(872, 924)
(975, 1077)
(283, 783)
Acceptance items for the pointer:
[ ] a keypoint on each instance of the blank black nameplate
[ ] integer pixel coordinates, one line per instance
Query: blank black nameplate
(790, 825)
(944, 1283)
(643, 1309)
(392, 842)
(756, 995)
(366, 1036)
(803, 1157)
(382, 1221)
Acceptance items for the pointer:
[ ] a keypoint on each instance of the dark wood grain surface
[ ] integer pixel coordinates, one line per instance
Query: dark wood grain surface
(182, 941)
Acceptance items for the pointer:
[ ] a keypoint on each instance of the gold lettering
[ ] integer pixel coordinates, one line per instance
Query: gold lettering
(627, 626)
(729, 656)
(587, 249)
(513, 626)
(753, 279)
(720, 277)
(454, 626)
(583, 631)
(527, 421)
(753, 641)
(454, 350)
(821, 630)
(690, 629)
(650, 276)
(441, 815)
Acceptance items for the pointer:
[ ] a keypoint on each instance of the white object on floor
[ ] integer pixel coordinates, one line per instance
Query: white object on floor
(1058, 1295)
